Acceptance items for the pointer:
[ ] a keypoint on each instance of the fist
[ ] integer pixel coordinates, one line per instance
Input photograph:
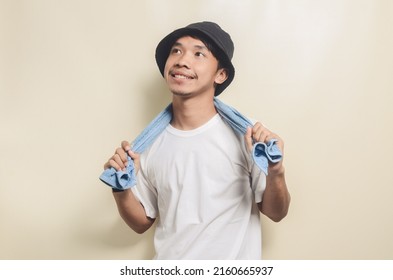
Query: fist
(119, 160)
(259, 133)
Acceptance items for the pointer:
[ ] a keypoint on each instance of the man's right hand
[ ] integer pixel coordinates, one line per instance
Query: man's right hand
(119, 159)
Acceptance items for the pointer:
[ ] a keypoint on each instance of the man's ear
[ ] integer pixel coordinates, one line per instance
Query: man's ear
(221, 76)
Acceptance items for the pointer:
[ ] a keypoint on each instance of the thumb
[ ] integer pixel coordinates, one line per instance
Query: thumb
(248, 139)
(136, 159)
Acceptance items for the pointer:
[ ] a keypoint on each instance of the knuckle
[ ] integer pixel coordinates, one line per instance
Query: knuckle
(112, 163)
(124, 144)
(117, 159)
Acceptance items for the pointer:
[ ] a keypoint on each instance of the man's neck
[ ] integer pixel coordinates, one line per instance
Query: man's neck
(193, 112)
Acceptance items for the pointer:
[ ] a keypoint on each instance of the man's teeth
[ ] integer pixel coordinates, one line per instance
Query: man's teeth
(181, 76)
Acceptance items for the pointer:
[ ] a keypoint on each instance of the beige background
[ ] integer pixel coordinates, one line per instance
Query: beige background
(79, 76)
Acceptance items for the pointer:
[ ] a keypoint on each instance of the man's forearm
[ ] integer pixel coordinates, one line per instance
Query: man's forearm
(276, 198)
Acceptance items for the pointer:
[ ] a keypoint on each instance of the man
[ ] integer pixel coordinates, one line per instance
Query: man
(198, 177)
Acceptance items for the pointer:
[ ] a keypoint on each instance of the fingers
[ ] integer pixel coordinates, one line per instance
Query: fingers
(134, 155)
(119, 159)
(248, 139)
(136, 158)
(125, 146)
(261, 134)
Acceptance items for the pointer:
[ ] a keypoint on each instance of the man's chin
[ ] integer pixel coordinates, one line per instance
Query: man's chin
(181, 93)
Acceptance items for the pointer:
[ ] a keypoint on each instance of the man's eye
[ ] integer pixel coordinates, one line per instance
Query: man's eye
(199, 54)
(175, 51)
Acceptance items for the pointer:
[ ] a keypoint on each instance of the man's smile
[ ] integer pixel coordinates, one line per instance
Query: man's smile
(181, 75)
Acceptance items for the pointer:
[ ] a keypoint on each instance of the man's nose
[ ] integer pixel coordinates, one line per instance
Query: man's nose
(184, 60)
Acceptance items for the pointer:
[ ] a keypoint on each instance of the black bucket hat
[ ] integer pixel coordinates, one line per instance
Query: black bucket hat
(206, 30)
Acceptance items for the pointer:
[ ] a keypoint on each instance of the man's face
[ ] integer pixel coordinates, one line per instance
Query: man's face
(191, 69)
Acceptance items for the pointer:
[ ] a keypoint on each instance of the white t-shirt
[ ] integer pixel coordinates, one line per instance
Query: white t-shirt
(202, 186)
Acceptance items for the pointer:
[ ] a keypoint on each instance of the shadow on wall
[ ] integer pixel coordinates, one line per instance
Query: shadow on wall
(156, 98)
(120, 235)
(267, 234)
(103, 227)
(103, 234)
(123, 242)
(106, 229)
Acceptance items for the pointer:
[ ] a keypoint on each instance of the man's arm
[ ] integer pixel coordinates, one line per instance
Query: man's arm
(130, 209)
(276, 198)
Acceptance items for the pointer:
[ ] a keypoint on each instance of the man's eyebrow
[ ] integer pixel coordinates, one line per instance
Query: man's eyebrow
(177, 44)
(199, 47)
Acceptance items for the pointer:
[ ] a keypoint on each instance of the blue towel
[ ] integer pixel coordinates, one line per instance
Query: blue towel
(262, 153)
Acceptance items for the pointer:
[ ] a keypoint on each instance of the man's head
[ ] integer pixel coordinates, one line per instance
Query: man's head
(214, 38)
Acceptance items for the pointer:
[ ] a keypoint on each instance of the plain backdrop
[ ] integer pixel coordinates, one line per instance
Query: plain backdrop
(79, 76)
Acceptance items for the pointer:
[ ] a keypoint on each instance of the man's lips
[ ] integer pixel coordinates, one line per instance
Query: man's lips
(181, 75)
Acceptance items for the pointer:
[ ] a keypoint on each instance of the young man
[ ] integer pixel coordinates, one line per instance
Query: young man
(198, 177)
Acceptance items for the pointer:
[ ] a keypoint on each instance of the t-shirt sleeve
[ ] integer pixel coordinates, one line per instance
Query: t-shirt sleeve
(146, 194)
(258, 178)
(258, 182)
